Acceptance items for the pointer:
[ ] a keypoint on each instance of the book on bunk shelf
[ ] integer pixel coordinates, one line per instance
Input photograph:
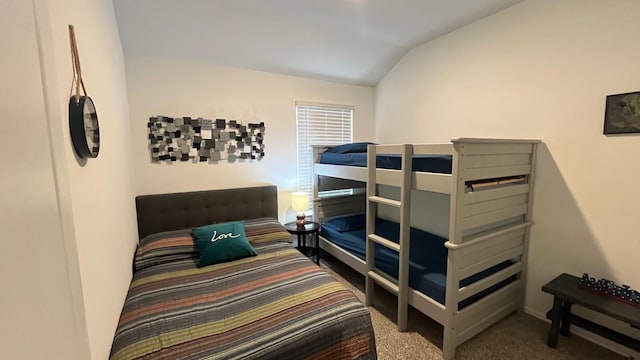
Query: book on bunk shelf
(489, 184)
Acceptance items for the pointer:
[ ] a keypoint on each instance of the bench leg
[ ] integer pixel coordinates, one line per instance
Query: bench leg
(566, 318)
(556, 319)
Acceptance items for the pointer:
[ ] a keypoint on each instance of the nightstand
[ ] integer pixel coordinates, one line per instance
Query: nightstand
(310, 228)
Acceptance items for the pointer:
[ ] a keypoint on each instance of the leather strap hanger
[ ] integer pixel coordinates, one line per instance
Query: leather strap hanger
(77, 71)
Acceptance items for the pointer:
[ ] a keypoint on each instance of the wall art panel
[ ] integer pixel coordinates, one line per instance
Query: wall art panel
(203, 140)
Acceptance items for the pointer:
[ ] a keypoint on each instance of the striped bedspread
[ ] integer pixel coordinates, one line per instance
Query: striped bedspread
(277, 305)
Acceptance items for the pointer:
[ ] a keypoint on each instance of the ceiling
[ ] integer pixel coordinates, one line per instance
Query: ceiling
(350, 41)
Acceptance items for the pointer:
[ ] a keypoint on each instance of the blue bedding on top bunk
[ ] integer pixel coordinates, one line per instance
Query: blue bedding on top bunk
(428, 163)
(427, 255)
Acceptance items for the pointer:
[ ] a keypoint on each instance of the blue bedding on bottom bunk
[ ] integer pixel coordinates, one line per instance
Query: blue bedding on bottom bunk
(427, 255)
(429, 163)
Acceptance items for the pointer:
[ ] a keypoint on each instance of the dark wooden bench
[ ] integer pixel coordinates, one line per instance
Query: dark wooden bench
(566, 292)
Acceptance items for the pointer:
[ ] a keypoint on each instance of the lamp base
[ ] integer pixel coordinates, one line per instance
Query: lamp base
(300, 219)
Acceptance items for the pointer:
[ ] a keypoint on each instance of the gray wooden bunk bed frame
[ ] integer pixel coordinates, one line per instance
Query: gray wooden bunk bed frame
(486, 226)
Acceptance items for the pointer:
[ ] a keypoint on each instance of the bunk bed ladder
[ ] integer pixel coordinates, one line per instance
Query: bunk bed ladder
(373, 275)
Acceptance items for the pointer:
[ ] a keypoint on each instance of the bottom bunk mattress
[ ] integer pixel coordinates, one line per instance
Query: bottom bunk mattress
(427, 255)
(276, 305)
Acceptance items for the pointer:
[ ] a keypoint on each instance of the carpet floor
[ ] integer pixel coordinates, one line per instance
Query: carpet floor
(518, 336)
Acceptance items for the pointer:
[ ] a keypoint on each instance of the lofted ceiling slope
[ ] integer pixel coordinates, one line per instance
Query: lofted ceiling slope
(350, 41)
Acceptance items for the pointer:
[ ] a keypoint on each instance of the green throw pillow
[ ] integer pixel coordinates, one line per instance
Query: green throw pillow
(220, 243)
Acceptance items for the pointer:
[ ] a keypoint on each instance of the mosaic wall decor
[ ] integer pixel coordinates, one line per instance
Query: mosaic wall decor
(201, 140)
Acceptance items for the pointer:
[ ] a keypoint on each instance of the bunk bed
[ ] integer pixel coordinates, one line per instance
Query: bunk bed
(467, 281)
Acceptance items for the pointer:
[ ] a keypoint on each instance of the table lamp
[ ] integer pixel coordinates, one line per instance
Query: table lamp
(300, 204)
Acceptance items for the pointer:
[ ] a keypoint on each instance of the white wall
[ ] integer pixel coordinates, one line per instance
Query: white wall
(159, 86)
(39, 317)
(98, 192)
(540, 69)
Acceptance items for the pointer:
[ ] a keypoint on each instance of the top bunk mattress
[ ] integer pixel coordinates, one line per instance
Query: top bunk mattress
(427, 255)
(426, 163)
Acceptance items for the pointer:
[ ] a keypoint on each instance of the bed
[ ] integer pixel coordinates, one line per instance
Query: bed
(467, 280)
(275, 305)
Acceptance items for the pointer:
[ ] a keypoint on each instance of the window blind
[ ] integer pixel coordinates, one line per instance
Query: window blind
(319, 124)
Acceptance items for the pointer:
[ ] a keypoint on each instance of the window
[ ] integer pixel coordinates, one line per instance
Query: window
(319, 124)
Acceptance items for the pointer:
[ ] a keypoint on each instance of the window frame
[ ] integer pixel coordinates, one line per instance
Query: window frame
(338, 129)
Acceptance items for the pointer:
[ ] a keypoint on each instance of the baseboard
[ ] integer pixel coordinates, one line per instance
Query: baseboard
(589, 336)
(536, 314)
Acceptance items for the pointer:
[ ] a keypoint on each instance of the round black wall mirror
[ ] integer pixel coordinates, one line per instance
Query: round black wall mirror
(83, 119)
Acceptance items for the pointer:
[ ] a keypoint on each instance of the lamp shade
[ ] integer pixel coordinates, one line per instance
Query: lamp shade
(300, 201)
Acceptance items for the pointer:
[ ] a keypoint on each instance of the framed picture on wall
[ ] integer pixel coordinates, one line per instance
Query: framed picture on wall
(622, 113)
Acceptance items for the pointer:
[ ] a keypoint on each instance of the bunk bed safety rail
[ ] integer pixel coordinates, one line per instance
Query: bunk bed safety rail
(390, 177)
(427, 181)
(435, 182)
(433, 149)
(395, 149)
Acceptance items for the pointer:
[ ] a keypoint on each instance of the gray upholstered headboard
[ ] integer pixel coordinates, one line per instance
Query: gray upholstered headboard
(176, 211)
